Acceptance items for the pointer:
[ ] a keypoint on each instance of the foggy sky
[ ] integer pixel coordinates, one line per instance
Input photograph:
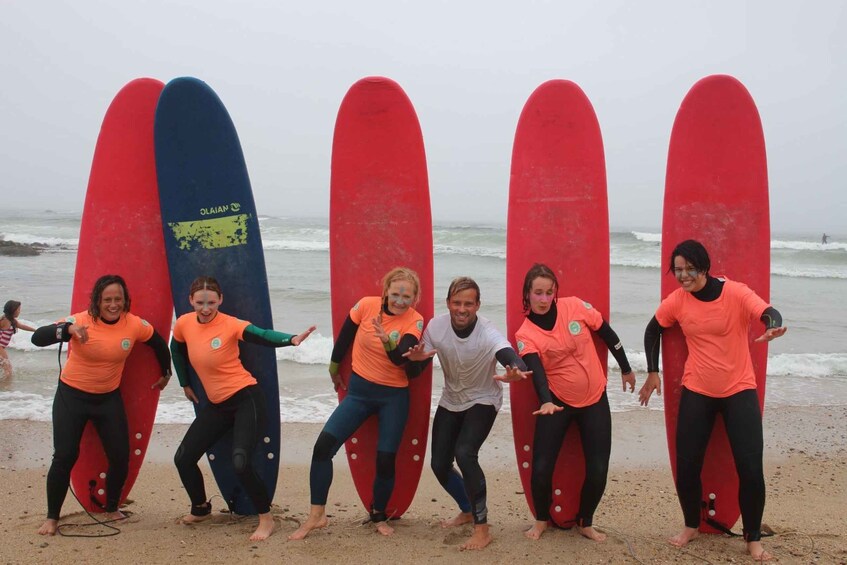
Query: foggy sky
(282, 68)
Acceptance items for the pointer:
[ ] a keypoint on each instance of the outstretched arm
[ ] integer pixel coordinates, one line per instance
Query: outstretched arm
(272, 338)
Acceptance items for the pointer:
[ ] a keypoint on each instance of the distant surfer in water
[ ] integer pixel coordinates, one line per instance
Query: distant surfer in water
(88, 389)
(380, 329)
(555, 341)
(468, 347)
(9, 325)
(825, 239)
(715, 315)
(208, 340)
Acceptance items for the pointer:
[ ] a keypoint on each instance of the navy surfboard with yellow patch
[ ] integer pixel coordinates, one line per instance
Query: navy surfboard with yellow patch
(211, 229)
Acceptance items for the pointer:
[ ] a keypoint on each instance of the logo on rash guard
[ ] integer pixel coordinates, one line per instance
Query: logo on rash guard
(574, 328)
(521, 346)
(356, 307)
(395, 335)
(125, 344)
(587, 304)
(144, 322)
(420, 325)
(71, 319)
(216, 343)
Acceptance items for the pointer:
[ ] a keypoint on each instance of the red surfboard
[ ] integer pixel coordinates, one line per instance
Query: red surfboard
(121, 233)
(558, 215)
(380, 218)
(716, 191)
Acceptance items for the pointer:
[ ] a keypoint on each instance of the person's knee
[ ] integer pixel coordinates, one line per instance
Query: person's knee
(466, 457)
(181, 458)
(240, 461)
(749, 468)
(441, 467)
(326, 447)
(385, 464)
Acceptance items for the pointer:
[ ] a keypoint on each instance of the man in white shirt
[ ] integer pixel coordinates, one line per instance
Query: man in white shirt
(468, 348)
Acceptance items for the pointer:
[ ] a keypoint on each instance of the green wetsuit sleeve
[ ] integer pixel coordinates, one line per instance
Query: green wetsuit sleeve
(268, 338)
(179, 356)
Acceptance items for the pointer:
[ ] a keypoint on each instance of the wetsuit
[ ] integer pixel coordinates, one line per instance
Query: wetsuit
(718, 379)
(236, 401)
(88, 390)
(558, 348)
(468, 406)
(378, 386)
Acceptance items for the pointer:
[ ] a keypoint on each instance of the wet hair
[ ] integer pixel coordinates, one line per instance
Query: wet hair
(539, 270)
(97, 294)
(460, 284)
(9, 310)
(402, 274)
(693, 252)
(205, 283)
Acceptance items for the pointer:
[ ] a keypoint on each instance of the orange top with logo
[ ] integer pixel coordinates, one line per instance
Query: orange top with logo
(717, 335)
(370, 360)
(574, 372)
(97, 365)
(213, 352)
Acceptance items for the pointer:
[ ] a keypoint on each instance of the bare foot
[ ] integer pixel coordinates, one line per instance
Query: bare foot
(755, 549)
(480, 538)
(536, 530)
(315, 521)
(49, 527)
(265, 529)
(682, 538)
(114, 516)
(384, 528)
(590, 533)
(192, 519)
(462, 518)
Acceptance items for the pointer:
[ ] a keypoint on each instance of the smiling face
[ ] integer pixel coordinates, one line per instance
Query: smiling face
(206, 303)
(463, 307)
(400, 296)
(689, 278)
(112, 302)
(542, 292)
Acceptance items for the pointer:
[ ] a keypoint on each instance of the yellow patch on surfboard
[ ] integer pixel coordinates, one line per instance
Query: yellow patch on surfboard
(214, 233)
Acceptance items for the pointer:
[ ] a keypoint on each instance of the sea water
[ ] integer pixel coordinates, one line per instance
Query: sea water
(808, 366)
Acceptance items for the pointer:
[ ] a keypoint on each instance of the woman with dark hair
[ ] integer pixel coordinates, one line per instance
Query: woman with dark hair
(715, 314)
(88, 386)
(555, 343)
(208, 340)
(9, 325)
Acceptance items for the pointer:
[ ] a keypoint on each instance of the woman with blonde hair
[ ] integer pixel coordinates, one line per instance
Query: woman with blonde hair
(380, 330)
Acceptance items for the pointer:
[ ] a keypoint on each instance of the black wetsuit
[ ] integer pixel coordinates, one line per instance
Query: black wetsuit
(697, 412)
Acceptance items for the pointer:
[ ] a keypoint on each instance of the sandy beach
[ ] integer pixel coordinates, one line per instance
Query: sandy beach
(805, 468)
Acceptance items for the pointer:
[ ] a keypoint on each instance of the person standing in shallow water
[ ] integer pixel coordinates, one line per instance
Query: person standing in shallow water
(715, 315)
(9, 325)
(208, 340)
(88, 389)
(468, 347)
(380, 330)
(556, 345)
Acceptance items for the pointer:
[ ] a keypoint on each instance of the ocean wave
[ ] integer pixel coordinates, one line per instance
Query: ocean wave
(647, 237)
(294, 245)
(441, 249)
(808, 245)
(30, 239)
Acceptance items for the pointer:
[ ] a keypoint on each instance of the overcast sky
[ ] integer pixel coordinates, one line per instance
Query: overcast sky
(282, 68)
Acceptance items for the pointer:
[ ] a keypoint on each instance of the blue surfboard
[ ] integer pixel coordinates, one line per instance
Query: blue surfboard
(211, 228)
